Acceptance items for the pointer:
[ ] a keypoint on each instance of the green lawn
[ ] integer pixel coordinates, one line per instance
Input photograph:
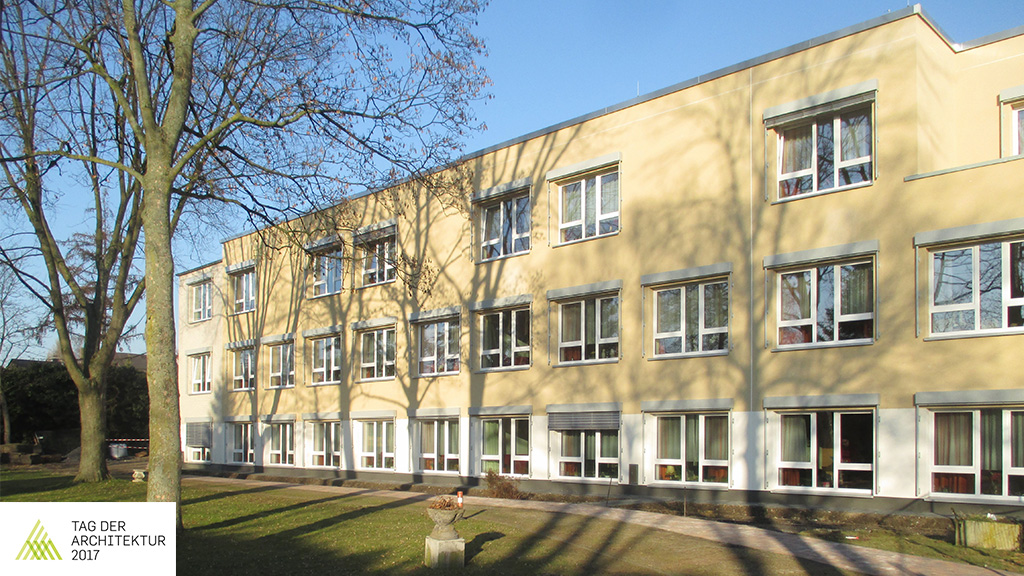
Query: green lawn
(235, 529)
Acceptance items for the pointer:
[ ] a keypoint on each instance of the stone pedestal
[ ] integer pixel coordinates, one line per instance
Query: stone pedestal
(445, 553)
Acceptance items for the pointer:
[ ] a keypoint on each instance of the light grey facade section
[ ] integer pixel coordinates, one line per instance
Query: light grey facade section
(584, 290)
(326, 242)
(500, 410)
(852, 250)
(1011, 94)
(824, 401)
(373, 414)
(200, 350)
(375, 323)
(240, 266)
(199, 420)
(244, 418)
(434, 412)
(972, 232)
(323, 331)
(437, 314)
(820, 103)
(969, 397)
(322, 416)
(709, 404)
(240, 344)
(375, 231)
(277, 418)
(494, 192)
(507, 302)
(278, 338)
(585, 407)
(708, 271)
(585, 166)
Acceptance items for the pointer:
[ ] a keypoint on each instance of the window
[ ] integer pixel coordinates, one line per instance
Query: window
(282, 449)
(327, 273)
(245, 369)
(282, 365)
(589, 454)
(815, 308)
(377, 356)
(505, 339)
(979, 452)
(327, 444)
(439, 348)
(327, 360)
(978, 288)
(198, 441)
(693, 448)
(241, 443)
(1018, 130)
(506, 446)
(831, 152)
(245, 291)
(378, 448)
(589, 330)
(439, 445)
(827, 450)
(506, 227)
(691, 318)
(588, 207)
(200, 373)
(202, 304)
(378, 260)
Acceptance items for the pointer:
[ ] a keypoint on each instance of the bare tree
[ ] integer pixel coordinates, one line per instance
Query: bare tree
(21, 327)
(276, 108)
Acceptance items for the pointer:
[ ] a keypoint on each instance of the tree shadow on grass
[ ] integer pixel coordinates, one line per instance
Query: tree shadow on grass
(16, 486)
(476, 545)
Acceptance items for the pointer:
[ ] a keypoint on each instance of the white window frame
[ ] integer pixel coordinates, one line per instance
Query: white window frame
(381, 448)
(837, 465)
(440, 358)
(378, 260)
(516, 460)
(201, 370)
(665, 468)
(438, 450)
(327, 445)
(564, 440)
(383, 367)
(582, 343)
(509, 236)
(245, 369)
(328, 271)
(510, 318)
(837, 301)
(326, 361)
(1006, 298)
(975, 468)
(194, 453)
(612, 217)
(245, 291)
(282, 365)
(202, 301)
(282, 443)
(1017, 112)
(242, 448)
(835, 119)
(702, 329)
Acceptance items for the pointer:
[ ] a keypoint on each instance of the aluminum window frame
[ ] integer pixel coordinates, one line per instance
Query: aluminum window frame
(451, 327)
(703, 462)
(283, 355)
(504, 205)
(444, 453)
(702, 329)
(837, 301)
(599, 340)
(326, 360)
(383, 368)
(328, 272)
(378, 257)
(245, 290)
(581, 461)
(326, 444)
(598, 176)
(1007, 301)
(378, 455)
(242, 443)
(838, 466)
(975, 468)
(202, 301)
(282, 443)
(245, 369)
(515, 351)
(516, 460)
(202, 379)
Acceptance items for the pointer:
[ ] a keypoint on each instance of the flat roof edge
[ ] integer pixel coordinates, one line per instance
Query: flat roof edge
(200, 267)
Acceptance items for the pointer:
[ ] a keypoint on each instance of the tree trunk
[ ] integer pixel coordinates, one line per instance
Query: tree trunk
(92, 407)
(5, 416)
(162, 366)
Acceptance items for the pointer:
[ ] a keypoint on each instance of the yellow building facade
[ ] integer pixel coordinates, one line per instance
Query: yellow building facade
(802, 275)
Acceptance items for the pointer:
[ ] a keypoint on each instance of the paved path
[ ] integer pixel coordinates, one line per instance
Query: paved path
(842, 556)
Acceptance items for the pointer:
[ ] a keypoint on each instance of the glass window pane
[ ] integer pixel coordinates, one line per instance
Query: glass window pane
(692, 318)
(796, 438)
(990, 285)
(826, 310)
(669, 437)
(669, 312)
(610, 193)
(856, 440)
(590, 208)
(856, 289)
(522, 328)
(826, 154)
(571, 203)
(571, 322)
(716, 437)
(609, 318)
(855, 129)
(796, 149)
(522, 438)
(953, 279)
(571, 444)
(609, 444)
(716, 305)
(491, 331)
(953, 439)
(796, 295)
(491, 437)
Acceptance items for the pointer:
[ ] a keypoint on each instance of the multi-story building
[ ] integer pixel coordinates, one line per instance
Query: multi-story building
(799, 276)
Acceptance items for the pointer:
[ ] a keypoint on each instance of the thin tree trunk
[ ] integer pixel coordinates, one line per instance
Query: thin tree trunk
(92, 407)
(162, 366)
(5, 415)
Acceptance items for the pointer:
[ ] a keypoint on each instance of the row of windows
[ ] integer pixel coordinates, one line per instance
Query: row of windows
(973, 452)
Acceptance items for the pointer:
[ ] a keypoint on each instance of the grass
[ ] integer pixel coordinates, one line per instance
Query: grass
(239, 529)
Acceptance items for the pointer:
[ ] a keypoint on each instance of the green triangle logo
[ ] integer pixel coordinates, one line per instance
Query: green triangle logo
(38, 545)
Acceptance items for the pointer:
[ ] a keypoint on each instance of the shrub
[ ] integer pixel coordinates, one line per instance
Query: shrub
(503, 486)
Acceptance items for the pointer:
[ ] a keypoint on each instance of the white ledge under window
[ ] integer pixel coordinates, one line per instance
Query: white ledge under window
(820, 345)
(973, 499)
(811, 491)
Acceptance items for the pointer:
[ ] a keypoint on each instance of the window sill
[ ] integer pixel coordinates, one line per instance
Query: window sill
(845, 492)
(319, 384)
(361, 469)
(504, 369)
(200, 393)
(711, 354)
(681, 484)
(974, 334)
(507, 475)
(280, 387)
(973, 498)
(200, 321)
(820, 193)
(438, 375)
(582, 240)
(371, 380)
(439, 472)
(502, 257)
(253, 389)
(324, 295)
(819, 346)
(585, 363)
(243, 312)
(365, 286)
(577, 480)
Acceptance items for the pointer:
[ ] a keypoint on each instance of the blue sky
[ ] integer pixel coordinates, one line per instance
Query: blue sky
(554, 60)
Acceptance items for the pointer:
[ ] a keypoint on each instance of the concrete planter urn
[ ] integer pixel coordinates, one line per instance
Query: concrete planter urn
(444, 523)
